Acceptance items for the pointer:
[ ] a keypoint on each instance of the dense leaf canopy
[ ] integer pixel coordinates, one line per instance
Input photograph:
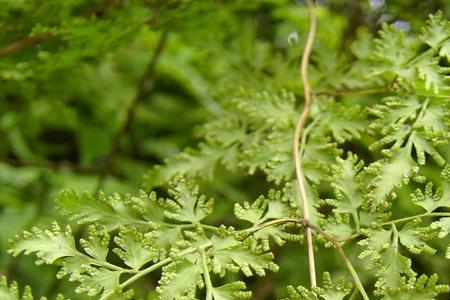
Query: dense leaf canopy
(147, 149)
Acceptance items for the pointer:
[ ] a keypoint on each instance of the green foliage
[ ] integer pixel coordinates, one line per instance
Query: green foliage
(430, 200)
(12, 292)
(330, 290)
(96, 93)
(421, 288)
(94, 274)
(137, 243)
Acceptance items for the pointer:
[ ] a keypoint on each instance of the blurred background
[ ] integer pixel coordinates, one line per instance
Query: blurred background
(94, 93)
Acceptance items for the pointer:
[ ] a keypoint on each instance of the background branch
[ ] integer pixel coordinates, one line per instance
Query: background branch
(143, 89)
(23, 43)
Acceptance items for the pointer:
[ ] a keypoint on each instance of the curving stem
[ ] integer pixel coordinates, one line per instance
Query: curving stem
(298, 133)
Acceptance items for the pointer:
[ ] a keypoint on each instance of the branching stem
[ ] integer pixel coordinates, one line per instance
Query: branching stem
(298, 133)
(344, 257)
(390, 223)
(305, 135)
(328, 237)
(155, 267)
(425, 215)
(274, 222)
(201, 250)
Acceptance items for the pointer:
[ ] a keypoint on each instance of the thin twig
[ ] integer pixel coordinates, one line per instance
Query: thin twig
(143, 89)
(305, 136)
(298, 132)
(23, 43)
(402, 220)
(396, 221)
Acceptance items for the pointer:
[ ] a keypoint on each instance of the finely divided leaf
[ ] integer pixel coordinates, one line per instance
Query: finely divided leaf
(347, 186)
(49, 245)
(430, 200)
(231, 291)
(230, 254)
(436, 31)
(136, 248)
(443, 225)
(113, 211)
(186, 204)
(413, 238)
(392, 173)
(94, 274)
(179, 280)
(274, 206)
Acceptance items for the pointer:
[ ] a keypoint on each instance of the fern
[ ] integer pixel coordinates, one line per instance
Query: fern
(359, 160)
(164, 233)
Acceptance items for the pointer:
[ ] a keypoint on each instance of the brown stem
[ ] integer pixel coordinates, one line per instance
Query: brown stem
(336, 243)
(298, 132)
(344, 257)
(23, 43)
